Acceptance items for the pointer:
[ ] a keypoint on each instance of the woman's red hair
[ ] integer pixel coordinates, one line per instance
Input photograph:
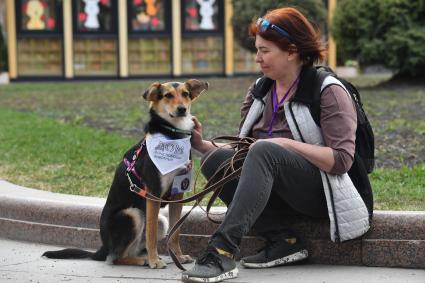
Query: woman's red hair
(304, 36)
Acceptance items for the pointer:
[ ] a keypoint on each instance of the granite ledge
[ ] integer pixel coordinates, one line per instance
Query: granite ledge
(396, 238)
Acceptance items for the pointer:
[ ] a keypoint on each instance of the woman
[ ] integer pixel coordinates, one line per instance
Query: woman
(282, 175)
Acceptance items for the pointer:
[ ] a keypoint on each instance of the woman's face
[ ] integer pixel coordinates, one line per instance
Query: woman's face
(273, 61)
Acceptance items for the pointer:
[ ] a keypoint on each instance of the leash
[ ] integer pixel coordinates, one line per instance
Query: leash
(241, 146)
(229, 172)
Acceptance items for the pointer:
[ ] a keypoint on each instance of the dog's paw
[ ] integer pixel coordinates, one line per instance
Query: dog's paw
(157, 264)
(185, 259)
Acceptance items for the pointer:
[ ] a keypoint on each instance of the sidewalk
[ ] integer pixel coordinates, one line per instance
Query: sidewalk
(30, 217)
(22, 262)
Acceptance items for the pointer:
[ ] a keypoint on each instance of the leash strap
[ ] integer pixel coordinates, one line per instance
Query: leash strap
(140, 191)
(229, 173)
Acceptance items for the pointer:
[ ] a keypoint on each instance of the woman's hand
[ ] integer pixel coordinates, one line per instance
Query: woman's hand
(197, 141)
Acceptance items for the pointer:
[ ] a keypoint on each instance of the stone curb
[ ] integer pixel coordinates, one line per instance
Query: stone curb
(396, 238)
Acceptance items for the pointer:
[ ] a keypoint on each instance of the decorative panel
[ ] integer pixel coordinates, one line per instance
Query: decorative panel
(202, 55)
(38, 15)
(145, 16)
(39, 57)
(149, 56)
(201, 15)
(95, 16)
(244, 60)
(95, 57)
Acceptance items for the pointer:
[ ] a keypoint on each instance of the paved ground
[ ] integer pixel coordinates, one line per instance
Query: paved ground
(21, 262)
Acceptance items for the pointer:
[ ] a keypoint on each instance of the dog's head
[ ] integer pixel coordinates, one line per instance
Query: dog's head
(172, 100)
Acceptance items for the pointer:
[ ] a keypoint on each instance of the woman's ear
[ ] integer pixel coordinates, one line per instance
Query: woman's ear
(292, 52)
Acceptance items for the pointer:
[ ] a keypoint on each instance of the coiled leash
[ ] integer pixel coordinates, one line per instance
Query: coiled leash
(215, 184)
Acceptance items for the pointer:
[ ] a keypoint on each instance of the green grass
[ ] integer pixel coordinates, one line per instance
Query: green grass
(50, 155)
(117, 106)
(68, 137)
(401, 189)
(46, 154)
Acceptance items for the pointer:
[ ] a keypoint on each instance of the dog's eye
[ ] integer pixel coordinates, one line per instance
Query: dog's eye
(169, 95)
(185, 94)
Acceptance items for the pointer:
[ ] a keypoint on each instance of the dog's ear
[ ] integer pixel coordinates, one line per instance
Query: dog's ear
(196, 87)
(153, 93)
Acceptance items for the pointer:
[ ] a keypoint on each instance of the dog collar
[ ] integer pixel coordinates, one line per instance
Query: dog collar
(176, 130)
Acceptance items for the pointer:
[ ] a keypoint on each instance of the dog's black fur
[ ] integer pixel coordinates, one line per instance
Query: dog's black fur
(125, 213)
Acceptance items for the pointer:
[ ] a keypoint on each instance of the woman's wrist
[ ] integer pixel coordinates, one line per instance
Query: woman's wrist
(203, 147)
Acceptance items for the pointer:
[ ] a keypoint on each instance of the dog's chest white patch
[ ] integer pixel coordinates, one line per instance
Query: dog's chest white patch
(183, 123)
(186, 123)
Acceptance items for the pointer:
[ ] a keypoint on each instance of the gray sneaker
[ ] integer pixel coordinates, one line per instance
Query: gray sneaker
(211, 267)
(276, 253)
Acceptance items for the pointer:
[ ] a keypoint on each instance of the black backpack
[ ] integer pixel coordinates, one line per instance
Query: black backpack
(309, 93)
(365, 139)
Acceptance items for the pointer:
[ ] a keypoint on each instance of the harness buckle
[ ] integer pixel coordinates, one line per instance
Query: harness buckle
(133, 188)
(139, 191)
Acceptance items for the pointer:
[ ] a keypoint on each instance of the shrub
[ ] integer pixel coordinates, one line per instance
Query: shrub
(386, 32)
(247, 10)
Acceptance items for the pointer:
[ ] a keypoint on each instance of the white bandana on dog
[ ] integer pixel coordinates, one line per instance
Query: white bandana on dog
(167, 154)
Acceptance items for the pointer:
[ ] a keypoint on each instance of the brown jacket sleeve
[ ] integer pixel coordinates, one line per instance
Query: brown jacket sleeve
(338, 120)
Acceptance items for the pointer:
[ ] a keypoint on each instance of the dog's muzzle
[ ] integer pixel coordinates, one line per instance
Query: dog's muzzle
(181, 111)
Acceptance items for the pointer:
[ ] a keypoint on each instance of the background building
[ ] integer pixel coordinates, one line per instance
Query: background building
(122, 38)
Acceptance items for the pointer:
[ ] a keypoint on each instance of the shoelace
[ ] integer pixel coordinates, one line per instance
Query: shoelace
(210, 256)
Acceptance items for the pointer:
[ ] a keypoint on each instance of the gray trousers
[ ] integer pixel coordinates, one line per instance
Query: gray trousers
(274, 183)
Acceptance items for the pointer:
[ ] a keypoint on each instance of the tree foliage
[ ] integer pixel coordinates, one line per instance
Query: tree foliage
(245, 11)
(386, 32)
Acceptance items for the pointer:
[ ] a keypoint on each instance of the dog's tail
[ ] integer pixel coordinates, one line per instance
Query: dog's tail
(99, 255)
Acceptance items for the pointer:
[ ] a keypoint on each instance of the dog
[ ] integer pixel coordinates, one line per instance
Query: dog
(126, 214)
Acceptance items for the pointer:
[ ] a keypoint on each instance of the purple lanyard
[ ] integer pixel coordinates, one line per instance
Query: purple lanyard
(276, 107)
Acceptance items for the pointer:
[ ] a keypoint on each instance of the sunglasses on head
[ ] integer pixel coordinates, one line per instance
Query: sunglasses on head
(264, 25)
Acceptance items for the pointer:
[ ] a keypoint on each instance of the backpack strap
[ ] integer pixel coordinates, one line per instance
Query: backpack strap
(262, 87)
(325, 78)
(322, 73)
(306, 86)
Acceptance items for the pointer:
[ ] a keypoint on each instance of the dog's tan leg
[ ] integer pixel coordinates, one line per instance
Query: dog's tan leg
(152, 211)
(131, 261)
(174, 213)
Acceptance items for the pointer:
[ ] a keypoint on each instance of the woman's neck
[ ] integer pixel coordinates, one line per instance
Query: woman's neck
(284, 83)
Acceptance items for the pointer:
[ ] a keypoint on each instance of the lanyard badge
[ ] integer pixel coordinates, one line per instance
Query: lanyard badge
(182, 183)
